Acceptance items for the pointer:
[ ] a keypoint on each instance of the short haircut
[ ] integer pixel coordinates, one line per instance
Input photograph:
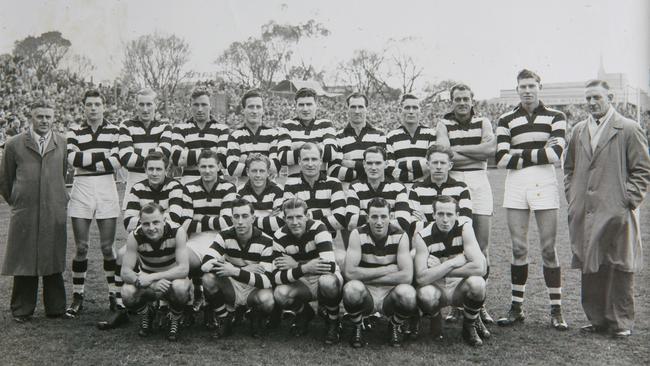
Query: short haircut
(292, 203)
(435, 148)
(155, 156)
(356, 95)
(379, 203)
(199, 92)
(253, 93)
(258, 157)
(92, 93)
(41, 103)
(597, 82)
(240, 201)
(375, 150)
(312, 146)
(305, 93)
(460, 87)
(151, 207)
(408, 96)
(208, 154)
(445, 199)
(146, 92)
(528, 74)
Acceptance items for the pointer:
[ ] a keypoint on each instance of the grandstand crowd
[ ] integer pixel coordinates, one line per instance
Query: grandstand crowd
(19, 86)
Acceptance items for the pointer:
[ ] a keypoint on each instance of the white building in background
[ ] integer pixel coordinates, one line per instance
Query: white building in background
(573, 92)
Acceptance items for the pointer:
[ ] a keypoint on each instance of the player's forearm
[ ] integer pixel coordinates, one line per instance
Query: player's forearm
(481, 151)
(366, 274)
(430, 275)
(220, 223)
(393, 279)
(128, 275)
(269, 223)
(130, 223)
(460, 160)
(175, 273)
(131, 160)
(506, 160)
(256, 280)
(547, 155)
(287, 276)
(469, 269)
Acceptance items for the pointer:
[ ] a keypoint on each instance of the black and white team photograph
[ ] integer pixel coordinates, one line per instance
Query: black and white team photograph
(324, 182)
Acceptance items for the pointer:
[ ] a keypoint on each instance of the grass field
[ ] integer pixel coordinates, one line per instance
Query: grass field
(78, 342)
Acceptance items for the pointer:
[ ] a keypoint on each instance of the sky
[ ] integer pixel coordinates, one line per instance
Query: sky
(482, 43)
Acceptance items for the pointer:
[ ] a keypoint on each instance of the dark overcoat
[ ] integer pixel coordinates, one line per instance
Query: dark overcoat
(34, 187)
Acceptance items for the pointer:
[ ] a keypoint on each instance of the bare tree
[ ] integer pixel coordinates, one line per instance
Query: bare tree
(77, 64)
(247, 63)
(305, 72)
(406, 69)
(257, 61)
(43, 53)
(158, 62)
(367, 70)
(440, 86)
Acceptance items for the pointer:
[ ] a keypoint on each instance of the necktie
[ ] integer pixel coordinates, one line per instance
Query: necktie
(41, 142)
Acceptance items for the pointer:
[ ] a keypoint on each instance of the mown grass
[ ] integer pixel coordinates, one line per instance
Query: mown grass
(77, 342)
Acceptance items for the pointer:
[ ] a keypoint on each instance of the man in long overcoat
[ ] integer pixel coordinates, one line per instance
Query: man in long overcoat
(32, 181)
(607, 174)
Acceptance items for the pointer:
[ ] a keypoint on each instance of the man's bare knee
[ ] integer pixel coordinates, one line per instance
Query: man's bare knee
(549, 255)
(264, 301)
(179, 292)
(405, 296)
(81, 251)
(519, 251)
(428, 299)
(210, 284)
(328, 285)
(475, 287)
(283, 296)
(107, 250)
(129, 294)
(119, 254)
(353, 292)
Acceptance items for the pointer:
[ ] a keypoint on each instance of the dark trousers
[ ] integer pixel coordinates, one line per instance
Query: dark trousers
(608, 298)
(25, 292)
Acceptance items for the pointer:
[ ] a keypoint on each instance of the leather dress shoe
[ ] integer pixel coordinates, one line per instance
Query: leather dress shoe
(118, 318)
(621, 333)
(593, 329)
(22, 318)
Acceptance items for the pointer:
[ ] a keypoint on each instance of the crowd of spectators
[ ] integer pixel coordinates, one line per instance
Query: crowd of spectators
(19, 86)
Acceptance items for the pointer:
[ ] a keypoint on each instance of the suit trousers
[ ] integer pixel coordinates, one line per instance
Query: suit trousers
(25, 292)
(608, 298)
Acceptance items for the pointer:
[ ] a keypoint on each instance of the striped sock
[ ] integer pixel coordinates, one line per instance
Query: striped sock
(331, 307)
(79, 269)
(519, 276)
(553, 280)
(471, 308)
(298, 307)
(332, 312)
(355, 318)
(109, 272)
(118, 285)
(197, 283)
(398, 319)
(218, 303)
(354, 313)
